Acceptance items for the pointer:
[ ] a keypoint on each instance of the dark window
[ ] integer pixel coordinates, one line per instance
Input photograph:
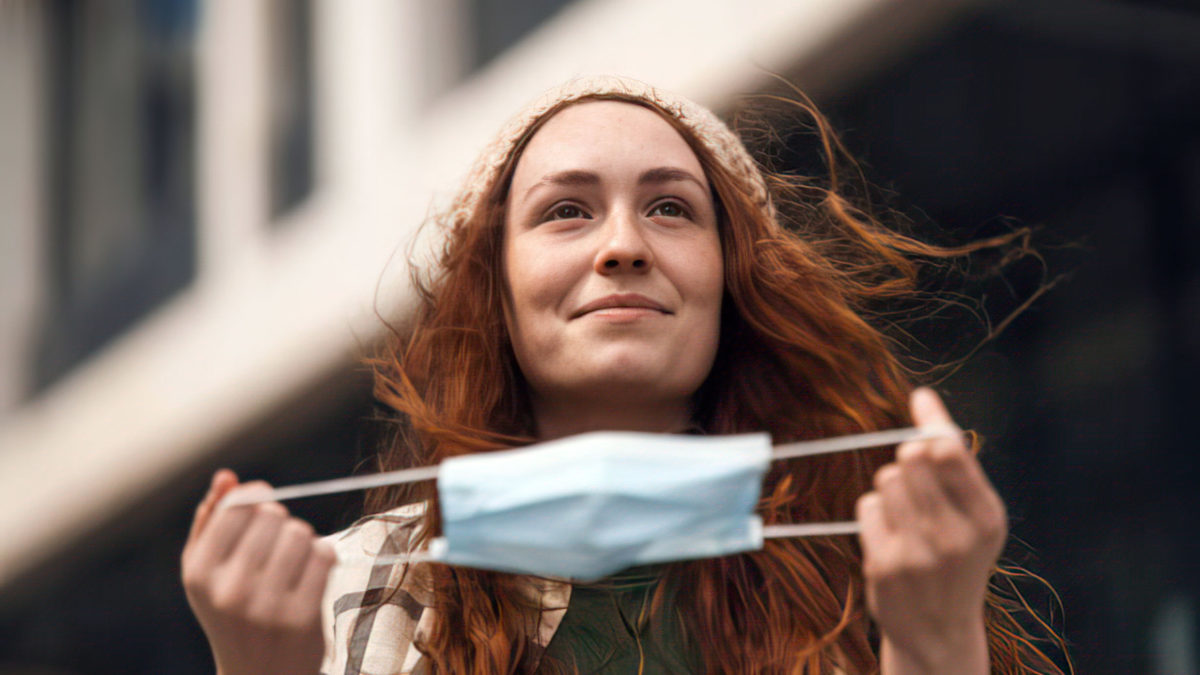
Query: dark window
(496, 24)
(291, 101)
(120, 169)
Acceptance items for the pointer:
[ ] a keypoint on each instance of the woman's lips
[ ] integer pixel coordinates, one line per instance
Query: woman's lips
(622, 305)
(622, 314)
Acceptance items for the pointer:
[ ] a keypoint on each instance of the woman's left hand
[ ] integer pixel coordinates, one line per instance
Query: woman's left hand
(932, 531)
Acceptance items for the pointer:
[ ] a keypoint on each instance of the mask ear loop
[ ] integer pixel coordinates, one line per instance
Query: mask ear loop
(871, 439)
(826, 446)
(334, 486)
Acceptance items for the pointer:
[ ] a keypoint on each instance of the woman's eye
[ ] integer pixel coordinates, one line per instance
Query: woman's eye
(669, 209)
(565, 212)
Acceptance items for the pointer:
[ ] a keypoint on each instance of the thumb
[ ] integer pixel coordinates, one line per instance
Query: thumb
(928, 410)
(223, 481)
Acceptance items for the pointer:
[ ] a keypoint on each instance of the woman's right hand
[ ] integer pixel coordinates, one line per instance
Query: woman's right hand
(255, 577)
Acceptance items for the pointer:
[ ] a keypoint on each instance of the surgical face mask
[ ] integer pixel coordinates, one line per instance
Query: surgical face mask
(591, 505)
(587, 506)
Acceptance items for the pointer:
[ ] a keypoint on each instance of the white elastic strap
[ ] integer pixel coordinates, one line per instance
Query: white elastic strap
(870, 439)
(334, 486)
(810, 529)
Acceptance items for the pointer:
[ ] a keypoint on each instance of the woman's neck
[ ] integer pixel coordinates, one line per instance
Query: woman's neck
(559, 418)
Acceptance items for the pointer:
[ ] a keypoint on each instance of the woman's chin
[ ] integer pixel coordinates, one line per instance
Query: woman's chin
(631, 373)
(636, 381)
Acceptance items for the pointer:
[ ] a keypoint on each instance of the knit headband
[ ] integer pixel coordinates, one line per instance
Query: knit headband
(725, 147)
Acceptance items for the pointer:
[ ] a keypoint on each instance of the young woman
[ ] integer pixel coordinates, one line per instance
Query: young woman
(618, 261)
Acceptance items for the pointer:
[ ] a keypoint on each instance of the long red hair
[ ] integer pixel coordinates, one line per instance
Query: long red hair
(803, 354)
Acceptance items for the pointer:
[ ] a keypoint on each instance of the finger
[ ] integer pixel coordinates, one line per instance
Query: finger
(316, 570)
(899, 512)
(957, 470)
(289, 556)
(220, 536)
(869, 513)
(254, 548)
(873, 531)
(930, 413)
(928, 410)
(926, 494)
(223, 481)
(960, 476)
(228, 524)
(203, 509)
(258, 491)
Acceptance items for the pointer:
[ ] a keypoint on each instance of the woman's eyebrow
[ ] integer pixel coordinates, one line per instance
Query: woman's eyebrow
(569, 178)
(668, 174)
(582, 178)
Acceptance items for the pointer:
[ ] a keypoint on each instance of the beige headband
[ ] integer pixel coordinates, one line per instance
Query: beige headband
(725, 146)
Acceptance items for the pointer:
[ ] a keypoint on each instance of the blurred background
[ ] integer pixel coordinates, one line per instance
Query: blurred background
(207, 208)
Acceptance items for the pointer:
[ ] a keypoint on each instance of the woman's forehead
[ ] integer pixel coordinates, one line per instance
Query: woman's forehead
(604, 136)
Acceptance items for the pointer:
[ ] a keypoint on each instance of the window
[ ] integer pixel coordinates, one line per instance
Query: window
(291, 103)
(120, 154)
(496, 24)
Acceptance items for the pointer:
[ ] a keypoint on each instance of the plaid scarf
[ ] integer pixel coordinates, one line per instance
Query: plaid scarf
(371, 630)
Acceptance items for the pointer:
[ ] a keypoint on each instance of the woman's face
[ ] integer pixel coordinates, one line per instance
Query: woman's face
(613, 259)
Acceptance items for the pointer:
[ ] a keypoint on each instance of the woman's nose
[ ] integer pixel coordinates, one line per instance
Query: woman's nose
(624, 248)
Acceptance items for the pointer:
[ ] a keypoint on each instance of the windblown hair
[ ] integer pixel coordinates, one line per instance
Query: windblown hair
(805, 352)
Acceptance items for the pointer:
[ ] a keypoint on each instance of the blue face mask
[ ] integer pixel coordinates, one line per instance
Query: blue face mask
(588, 506)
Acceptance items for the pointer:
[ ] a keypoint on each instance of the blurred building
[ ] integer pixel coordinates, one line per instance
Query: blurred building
(208, 207)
